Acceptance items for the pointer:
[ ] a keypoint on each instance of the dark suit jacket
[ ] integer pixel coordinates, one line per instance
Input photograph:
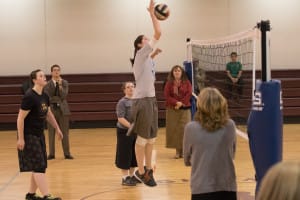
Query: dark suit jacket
(61, 99)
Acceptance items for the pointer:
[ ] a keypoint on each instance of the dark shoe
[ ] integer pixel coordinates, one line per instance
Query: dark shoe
(135, 180)
(152, 182)
(50, 157)
(32, 197)
(69, 157)
(128, 181)
(147, 178)
(50, 197)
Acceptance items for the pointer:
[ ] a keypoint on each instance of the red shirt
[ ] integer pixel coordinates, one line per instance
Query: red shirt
(184, 94)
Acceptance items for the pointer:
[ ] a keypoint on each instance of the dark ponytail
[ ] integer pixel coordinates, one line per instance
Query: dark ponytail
(137, 41)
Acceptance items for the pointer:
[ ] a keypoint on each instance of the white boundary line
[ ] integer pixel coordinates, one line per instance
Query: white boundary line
(242, 134)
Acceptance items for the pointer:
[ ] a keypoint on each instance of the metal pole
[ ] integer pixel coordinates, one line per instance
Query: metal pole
(189, 58)
(264, 26)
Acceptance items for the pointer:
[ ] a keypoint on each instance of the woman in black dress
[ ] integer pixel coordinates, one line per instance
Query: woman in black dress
(31, 140)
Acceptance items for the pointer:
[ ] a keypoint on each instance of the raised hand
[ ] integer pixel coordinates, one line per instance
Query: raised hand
(151, 6)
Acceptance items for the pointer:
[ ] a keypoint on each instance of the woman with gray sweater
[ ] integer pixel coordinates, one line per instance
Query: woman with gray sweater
(209, 148)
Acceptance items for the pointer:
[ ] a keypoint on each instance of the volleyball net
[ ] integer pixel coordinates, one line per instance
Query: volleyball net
(260, 103)
(208, 60)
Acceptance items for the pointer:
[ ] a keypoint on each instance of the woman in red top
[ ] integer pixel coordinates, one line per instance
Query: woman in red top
(177, 91)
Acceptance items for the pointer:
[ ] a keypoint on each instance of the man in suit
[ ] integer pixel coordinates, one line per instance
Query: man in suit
(57, 89)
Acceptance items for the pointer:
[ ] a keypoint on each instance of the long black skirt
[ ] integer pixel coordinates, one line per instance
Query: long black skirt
(125, 152)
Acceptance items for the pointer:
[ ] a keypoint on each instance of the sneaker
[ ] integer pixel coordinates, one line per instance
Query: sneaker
(152, 182)
(32, 197)
(50, 197)
(128, 181)
(147, 178)
(135, 180)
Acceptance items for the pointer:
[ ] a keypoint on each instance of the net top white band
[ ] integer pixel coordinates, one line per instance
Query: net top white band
(251, 33)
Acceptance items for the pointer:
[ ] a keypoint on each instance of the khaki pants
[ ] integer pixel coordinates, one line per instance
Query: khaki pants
(63, 122)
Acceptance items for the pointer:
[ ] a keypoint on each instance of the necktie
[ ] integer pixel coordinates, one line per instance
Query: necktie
(56, 89)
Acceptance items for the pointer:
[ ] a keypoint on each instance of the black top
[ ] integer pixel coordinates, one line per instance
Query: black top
(34, 123)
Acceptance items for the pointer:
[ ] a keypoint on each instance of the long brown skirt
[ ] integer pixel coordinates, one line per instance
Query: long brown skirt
(175, 123)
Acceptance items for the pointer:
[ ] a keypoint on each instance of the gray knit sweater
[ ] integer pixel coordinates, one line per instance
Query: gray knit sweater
(211, 156)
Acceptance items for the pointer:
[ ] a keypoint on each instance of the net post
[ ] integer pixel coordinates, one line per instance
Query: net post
(190, 59)
(264, 27)
(254, 63)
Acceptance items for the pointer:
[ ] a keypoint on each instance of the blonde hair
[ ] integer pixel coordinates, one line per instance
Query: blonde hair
(282, 182)
(212, 109)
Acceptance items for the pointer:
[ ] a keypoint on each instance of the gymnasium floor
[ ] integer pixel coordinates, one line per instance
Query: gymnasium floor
(92, 175)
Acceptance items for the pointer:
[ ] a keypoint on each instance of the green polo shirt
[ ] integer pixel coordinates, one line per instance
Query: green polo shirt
(234, 68)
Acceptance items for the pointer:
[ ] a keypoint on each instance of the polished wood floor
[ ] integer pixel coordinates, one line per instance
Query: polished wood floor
(92, 175)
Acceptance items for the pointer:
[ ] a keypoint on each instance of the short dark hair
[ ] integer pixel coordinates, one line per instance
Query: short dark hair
(233, 54)
(33, 75)
(53, 66)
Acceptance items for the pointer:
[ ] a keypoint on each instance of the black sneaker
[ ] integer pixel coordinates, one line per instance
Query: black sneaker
(32, 197)
(152, 181)
(135, 180)
(147, 178)
(128, 181)
(50, 197)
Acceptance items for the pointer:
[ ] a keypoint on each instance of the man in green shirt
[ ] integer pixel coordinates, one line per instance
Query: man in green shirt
(234, 77)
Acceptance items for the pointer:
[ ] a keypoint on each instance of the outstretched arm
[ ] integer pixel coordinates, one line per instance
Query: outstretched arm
(155, 22)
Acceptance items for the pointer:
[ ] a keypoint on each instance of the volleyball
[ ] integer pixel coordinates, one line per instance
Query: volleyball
(161, 11)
